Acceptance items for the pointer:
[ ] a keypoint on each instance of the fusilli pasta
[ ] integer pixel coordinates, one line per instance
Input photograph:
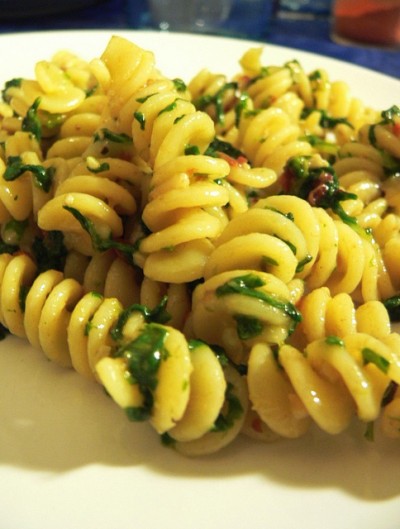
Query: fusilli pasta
(222, 256)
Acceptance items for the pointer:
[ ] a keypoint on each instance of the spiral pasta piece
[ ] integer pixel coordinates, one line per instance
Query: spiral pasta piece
(264, 238)
(334, 380)
(221, 256)
(178, 411)
(112, 276)
(57, 92)
(38, 309)
(75, 329)
(324, 314)
(130, 68)
(269, 138)
(184, 210)
(247, 306)
(217, 96)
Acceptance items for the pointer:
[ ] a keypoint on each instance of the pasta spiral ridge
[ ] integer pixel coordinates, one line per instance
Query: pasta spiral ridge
(247, 306)
(332, 381)
(184, 212)
(103, 341)
(269, 138)
(218, 96)
(25, 180)
(111, 275)
(272, 236)
(102, 190)
(325, 314)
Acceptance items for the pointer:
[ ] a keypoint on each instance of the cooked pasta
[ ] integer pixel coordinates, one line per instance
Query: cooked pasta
(221, 256)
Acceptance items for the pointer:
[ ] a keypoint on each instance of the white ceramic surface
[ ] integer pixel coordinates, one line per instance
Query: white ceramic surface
(69, 459)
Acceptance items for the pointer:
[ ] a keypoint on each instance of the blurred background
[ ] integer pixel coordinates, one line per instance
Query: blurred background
(364, 32)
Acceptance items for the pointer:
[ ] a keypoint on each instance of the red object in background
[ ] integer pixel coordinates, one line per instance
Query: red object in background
(369, 21)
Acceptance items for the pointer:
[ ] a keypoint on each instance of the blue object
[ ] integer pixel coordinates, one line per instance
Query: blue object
(305, 8)
(299, 33)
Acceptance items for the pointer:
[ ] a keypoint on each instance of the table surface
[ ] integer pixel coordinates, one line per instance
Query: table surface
(303, 34)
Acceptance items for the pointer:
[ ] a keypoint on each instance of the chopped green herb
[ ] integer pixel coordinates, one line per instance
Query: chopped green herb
(10, 84)
(319, 186)
(372, 357)
(248, 327)
(168, 108)
(392, 305)
(42, 177)
(216, 100)
(323, 146)
(334, 340)
(191, 149)
(157, 315)
(52, 121)
(301, 264)
(144, 355)
(194, 343)
(104, 166)
(180, 85)
(88, 327)
(106, 134)
(96, 294)
(220, 354)
(98, 242)
(145, 98)
(289, 215)
(15, 229)
(23, 292)
(326, 121)
(141, 119)
(49, 251)
(221, 146)
(315, 75)
(267, 261)
(137, 413)
(246, 286)
(235, 410)
(31, 122)
(241, 107)
(167, 440)
(388, 117)
(91, 90)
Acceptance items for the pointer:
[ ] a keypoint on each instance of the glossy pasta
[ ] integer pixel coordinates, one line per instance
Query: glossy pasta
(222, 256)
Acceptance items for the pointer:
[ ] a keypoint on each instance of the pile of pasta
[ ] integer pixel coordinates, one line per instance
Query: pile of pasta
(221, 255)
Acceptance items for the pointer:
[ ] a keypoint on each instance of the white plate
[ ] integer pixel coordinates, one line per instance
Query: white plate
(69, 459)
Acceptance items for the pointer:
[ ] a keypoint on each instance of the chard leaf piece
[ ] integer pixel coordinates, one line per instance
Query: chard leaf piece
(216, 100)
(16, 82)
(31, 122)
(99, 243)
(246, 286)
(49, 251)
(220, 146)
(144, 355)
(42, 176)
(107, 134)
(235, 410)
(157, 315)
(392, 305)
(334, 340)
(247, 327)
(372, 357)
